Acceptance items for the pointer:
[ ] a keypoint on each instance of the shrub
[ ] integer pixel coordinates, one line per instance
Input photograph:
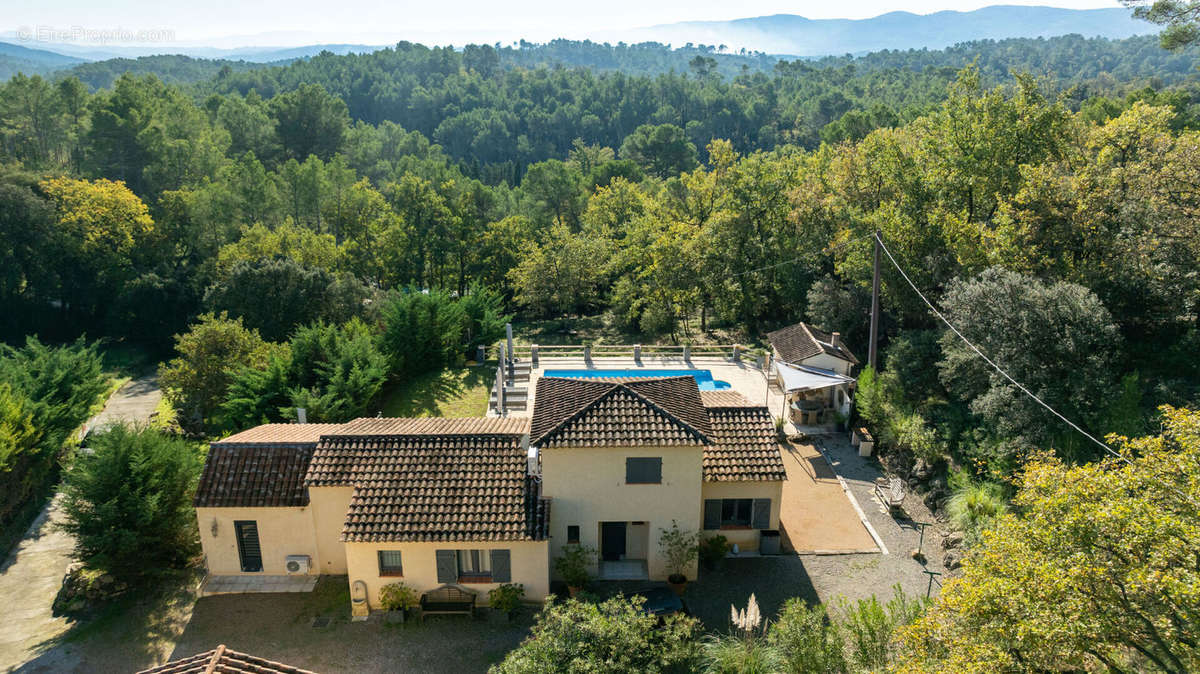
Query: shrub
(679, 547)
(128, 502)
(745, 650)
(574, 565)
(197, 380)
(333, 372)
(712, 550)
(612, 636)
(422, 331)
(397, 596)
(973, 506)
(869, 627)
(507, 597)
(807, 639)
(48, 393)
(483, 309)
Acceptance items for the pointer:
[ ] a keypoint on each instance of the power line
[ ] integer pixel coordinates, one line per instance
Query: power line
(989, 361)
(802, 257)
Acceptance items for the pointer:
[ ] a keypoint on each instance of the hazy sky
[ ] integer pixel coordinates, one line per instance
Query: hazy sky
(379, 22)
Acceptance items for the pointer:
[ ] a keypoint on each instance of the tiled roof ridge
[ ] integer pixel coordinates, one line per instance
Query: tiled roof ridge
(587, 405)
(627, 387)
(662, 410)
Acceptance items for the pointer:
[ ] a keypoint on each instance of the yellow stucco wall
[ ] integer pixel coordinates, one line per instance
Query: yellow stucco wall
(828, 362)
(529, 559)
(281, 532)
(747, 539)
(587, 486)
(329, 505)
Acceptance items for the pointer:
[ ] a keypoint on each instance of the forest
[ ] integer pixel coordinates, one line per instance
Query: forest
(281, 233)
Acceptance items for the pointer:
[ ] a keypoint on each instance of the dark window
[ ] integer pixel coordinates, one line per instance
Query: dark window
(643, 470)
(249, 550)
(736, 512)
(474, 566)
(389, 563)
(573, 533)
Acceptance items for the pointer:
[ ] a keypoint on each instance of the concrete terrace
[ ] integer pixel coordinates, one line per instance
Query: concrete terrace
(744, 377)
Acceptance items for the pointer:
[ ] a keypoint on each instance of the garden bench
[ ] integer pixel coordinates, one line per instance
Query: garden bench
(448, 600)
(890, 492)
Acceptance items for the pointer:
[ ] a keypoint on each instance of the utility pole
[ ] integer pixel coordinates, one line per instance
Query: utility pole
(872, 358)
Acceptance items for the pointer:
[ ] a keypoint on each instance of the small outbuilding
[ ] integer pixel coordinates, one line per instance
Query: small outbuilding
(814, 369)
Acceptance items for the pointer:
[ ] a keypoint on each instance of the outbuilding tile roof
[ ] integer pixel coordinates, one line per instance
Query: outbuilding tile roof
(800, 341)
(432, 487)
(281, 434)
(254, 475)
(745, 446)
(434, 426)
(632, 413)
(222, 660)
(724, 398)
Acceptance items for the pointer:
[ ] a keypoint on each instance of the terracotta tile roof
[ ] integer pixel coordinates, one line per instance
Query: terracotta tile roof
(433, 487)
(744, 447)
(633, 413)
(724, 399)
(253, 475)
(797, 342)
(435, 426)
(222, 660)
(280, 434)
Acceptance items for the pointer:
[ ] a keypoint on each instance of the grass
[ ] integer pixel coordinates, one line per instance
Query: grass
(451, 392)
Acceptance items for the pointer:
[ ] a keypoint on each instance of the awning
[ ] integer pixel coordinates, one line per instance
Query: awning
(805, 378)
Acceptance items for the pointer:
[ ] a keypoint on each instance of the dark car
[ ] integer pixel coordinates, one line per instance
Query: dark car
(661, 601)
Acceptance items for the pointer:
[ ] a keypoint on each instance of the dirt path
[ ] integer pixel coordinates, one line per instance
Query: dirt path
(32, 574)
(816, 514)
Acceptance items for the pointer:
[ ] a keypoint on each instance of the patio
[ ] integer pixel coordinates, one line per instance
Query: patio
(215, 585)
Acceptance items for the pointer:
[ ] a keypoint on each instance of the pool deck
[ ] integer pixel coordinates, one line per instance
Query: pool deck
(744, 377)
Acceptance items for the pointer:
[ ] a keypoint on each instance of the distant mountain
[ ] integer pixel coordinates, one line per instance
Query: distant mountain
(257, 54)
(797, 36)
(15, 58)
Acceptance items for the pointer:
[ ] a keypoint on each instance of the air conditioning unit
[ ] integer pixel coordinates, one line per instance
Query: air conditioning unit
(298, 565)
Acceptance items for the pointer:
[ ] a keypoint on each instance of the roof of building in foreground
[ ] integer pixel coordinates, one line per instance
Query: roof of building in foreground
(446, 487)
(222, 660)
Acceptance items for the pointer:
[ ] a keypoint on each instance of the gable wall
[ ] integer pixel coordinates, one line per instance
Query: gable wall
(587, 486)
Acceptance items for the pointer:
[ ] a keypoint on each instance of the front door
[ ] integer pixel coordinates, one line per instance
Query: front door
(248, 548)
(612, 540)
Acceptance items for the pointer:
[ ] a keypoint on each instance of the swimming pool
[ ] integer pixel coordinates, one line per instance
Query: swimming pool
(704, 378)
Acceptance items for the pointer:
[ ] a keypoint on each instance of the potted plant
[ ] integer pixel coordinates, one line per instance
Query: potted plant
(679, 547)
(505, 600)
(396, 599)
(574, 566)
(712, 551)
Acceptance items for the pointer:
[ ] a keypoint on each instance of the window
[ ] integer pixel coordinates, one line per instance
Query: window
(737, 513)
(389, 563)
(573, 533)
(474, 566)
(643, 470)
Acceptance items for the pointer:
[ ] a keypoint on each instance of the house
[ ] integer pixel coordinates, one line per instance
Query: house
(468, 501)
(225, 661)
(426, 501)
(814, 369)
(621, 461)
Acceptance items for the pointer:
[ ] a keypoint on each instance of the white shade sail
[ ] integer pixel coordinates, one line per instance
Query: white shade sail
(804, 378)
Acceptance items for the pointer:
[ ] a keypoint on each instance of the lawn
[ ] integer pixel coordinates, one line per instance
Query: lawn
(451, 392)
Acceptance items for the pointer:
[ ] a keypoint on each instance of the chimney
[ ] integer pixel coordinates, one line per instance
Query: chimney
(836, 339)
(301, 415)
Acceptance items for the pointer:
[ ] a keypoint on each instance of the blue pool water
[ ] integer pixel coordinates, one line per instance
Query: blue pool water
(704, 378)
